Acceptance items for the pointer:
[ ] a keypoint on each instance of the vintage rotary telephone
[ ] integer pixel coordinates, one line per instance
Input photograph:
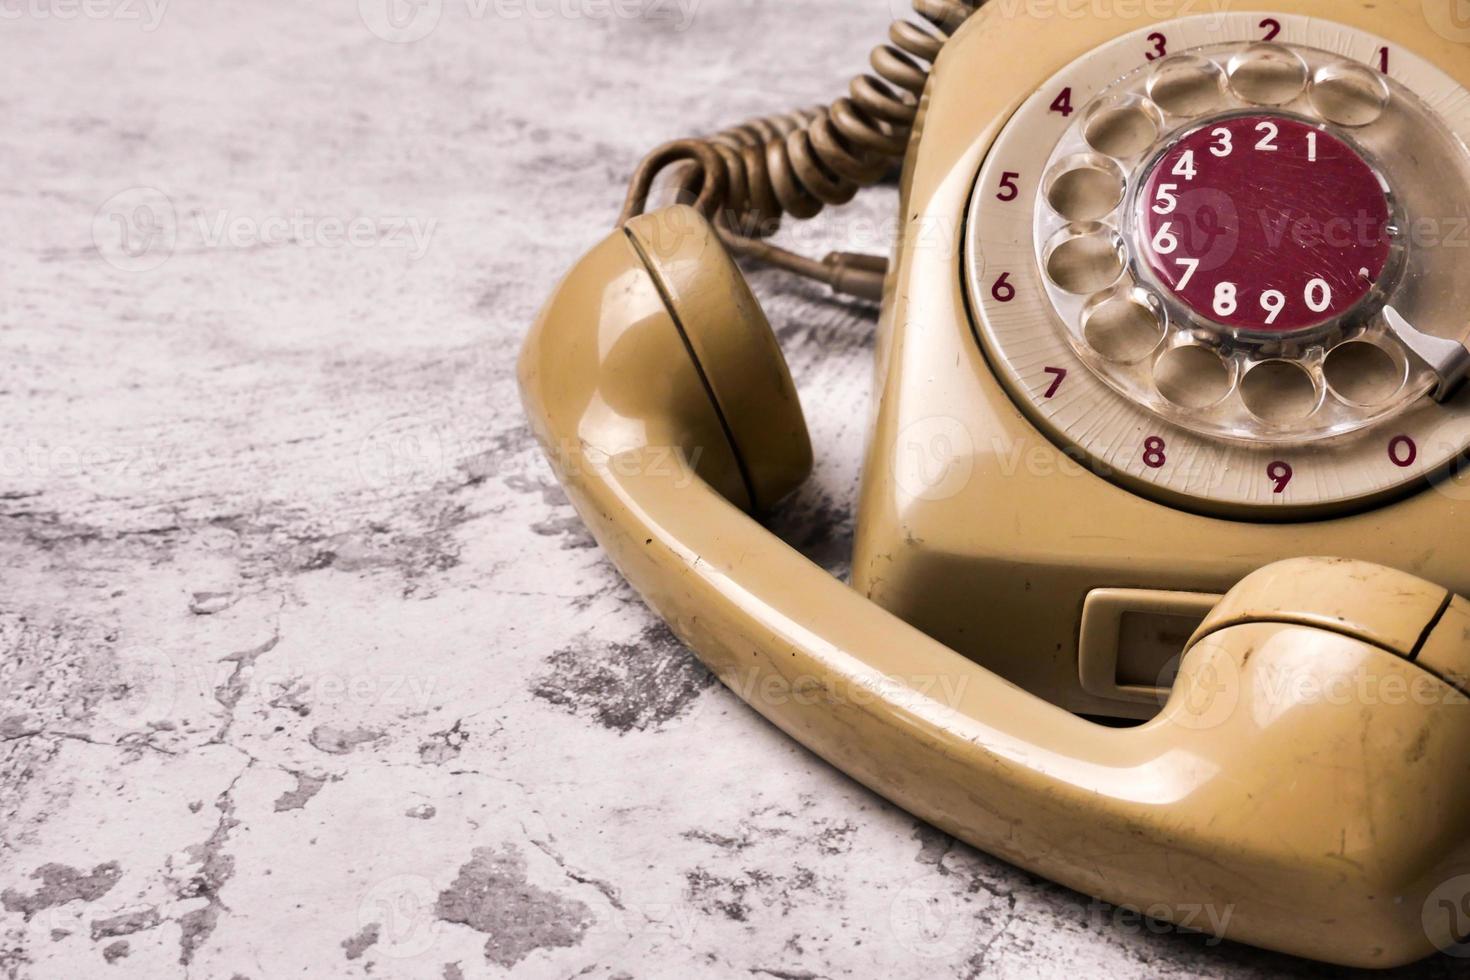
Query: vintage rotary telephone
(1180, 298)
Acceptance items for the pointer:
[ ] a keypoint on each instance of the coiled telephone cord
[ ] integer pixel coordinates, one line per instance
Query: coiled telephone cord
(747, 177)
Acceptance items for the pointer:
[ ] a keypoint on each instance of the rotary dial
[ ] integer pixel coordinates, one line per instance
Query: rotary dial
(1227, 270)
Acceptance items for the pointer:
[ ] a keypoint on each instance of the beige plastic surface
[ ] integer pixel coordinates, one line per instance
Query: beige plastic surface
(1325, 592)
(1323, 828)
(999, 531)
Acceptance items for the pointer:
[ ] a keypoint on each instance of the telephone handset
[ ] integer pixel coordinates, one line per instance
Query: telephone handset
(1179, 299)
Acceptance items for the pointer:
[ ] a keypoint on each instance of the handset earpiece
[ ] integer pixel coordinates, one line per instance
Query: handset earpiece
(732, 347)
(1312, 824)
(610, 375)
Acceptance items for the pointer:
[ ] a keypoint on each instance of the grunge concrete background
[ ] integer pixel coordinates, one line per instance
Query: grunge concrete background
(308, 668)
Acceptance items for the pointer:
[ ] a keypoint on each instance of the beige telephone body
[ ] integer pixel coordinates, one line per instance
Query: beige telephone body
(1181, 300)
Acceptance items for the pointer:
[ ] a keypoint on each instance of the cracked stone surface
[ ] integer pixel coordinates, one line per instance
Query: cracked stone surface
(307, 668)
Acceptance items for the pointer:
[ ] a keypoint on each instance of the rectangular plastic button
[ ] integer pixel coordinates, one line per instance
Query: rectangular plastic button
(1132, 638)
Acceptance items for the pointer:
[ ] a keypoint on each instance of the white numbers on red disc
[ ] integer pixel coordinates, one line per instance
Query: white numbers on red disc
(1264, 223)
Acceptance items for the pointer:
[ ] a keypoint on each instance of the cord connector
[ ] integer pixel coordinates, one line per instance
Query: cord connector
(856, 274)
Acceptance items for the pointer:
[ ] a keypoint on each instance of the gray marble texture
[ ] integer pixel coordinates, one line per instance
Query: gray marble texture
(308, 668)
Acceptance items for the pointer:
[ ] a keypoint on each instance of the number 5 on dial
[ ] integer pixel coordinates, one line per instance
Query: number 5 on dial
(1008, 189)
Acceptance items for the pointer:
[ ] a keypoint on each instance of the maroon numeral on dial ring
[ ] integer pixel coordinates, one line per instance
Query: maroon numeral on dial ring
(1280, 474)
(1403, 451)
(1058, 375)
(1003, 291)
(1008, 189)
(1153, 452)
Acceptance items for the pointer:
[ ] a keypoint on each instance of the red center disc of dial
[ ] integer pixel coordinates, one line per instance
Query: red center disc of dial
(1264, 224)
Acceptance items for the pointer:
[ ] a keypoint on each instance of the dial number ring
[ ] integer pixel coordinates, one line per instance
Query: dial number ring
(1047, 341)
